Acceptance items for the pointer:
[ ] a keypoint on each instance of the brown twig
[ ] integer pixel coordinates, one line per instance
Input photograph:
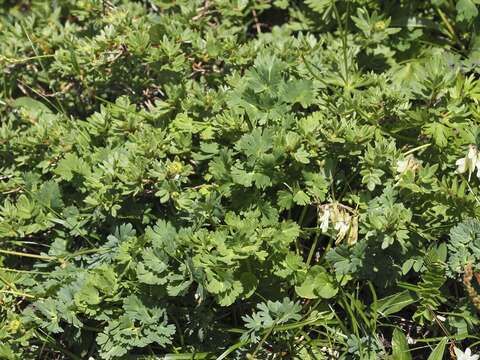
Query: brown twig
(201, 12)
(467, 281)
(41, 91)
(258, 25)
(12, 191)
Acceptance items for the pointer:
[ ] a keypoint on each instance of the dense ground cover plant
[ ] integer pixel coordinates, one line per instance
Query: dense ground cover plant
(238, 179)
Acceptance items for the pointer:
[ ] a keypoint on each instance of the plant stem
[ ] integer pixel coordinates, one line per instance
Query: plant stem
(35, 256)
(343, 30)
(450, 28)
(312, 248)
(411, 151)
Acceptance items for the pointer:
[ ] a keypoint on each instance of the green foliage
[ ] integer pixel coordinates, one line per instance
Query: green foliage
(464, 246)
(437, 353)
(238, 179)
(400, 350)
(269, 315)
(317, 284)
(139, 326)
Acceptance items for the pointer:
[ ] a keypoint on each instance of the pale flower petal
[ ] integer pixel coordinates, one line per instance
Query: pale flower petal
(472, 152)
(461, 168)
(342, 227)
(467, 355)
(408, 164)
(324, 219)
(402, 166)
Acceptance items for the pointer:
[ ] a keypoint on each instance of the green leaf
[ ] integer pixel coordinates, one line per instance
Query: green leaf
(152, 270)
(229, 295)
(255, 144)
(302, 156)
(300, 198)
(34, 108)
(242, 177)
(6, 352)
(298, 91)
(437, 353)
(317, 284)
(400, 346)
(70, 165)
(266, 74)
(49, 195)
(319, 5)
(372, 178)
(466, 10)
(88, 295)
(394, 303)
(439, 132)
(249, 283)
(262, 181)
(285, 199)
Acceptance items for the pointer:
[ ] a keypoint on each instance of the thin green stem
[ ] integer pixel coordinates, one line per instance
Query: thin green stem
(450, 29)
(35, 256)
(16, 61)
(18, 293)
(343, 31)
(329, 245)
(312, 248)
(264, 338)
(473, 192)
(421, 147)
(24, 271)
(231, 349)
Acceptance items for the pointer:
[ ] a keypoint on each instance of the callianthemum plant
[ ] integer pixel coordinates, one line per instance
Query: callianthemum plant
(239, 179)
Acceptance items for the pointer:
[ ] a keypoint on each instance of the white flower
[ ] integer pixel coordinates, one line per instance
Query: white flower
(409, 163)
(324, 220)
(402, 166)
(342, 225)
(467, 355)
(340, 219)
(333, 353)
(469, 162)
(461, 166)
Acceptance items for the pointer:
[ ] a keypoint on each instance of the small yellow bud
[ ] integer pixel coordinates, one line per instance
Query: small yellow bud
(14, 325)
(174, 168)
(380, 25)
